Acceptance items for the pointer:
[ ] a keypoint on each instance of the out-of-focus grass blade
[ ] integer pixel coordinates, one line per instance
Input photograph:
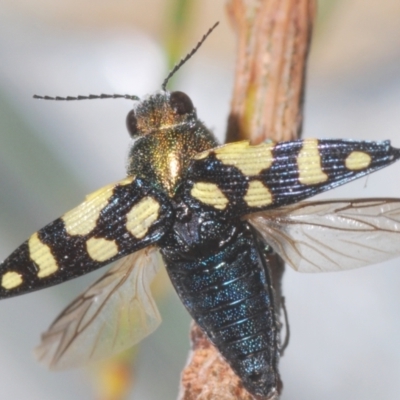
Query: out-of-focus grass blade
(113, 379)
(178, 23)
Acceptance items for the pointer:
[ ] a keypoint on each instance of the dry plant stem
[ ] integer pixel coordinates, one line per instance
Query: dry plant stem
(273, 40)
(208, 376)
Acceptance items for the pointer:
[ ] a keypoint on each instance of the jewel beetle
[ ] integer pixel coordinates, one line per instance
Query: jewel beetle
(207, 212)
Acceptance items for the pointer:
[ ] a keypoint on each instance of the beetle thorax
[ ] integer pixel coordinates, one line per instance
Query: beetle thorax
(168, 136)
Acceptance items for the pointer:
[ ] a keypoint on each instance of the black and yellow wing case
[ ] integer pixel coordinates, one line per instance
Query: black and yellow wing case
(238, 178)
(112, 222)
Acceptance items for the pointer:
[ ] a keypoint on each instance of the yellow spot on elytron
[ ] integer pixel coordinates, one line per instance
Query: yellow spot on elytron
(101, 249)
(209, 193)
(83, 219)
(251, 160)
(358, 160)
(11, 280)
(309, 164)
(202, 155)
(141, 217)
(257, 195)
(127, 181)
(40, 253)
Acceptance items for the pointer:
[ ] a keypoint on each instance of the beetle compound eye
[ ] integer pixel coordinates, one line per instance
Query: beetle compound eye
(131, 123)
(181, 103)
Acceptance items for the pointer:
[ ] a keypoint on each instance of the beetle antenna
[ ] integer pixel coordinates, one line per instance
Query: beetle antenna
(90, 97)
(183, 60)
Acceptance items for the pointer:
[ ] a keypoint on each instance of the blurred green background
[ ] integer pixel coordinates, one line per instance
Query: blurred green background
(345, 327)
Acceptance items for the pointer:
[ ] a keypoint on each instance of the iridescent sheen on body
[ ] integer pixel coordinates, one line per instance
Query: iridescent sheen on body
(167, 142)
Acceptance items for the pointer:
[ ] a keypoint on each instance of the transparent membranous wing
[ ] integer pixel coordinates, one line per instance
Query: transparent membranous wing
(112, 315)
(333, 235)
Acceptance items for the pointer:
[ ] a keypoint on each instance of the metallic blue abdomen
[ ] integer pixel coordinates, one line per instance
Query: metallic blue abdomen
(228, 293)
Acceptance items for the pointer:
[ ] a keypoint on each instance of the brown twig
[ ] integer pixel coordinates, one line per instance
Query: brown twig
(273, 40)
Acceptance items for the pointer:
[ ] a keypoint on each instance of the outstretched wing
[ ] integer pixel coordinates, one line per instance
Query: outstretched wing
(333, 235)
(111, 223)
(112, 315)
(238, 179)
